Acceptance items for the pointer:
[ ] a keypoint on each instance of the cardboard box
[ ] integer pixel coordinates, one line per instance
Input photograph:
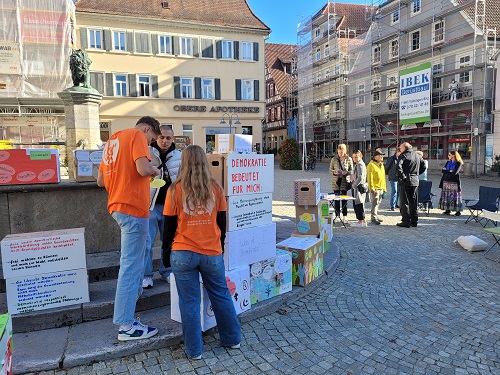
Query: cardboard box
(238, 283)
(45, 291)
(217, 166)
(87, 165)
(250, 245)
(29, 166)
(308, 219)
(225, 143)
(249, 174)
(25, 254)
(306, 191)
(6, 345)
(246, 211)
(307, 258)
(324, 235)
(271, 277)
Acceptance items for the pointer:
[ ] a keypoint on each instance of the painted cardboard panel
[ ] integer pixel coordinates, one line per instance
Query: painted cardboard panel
(29, 166)
(246, 211)
(87, 164)
(225, 143)
(324, 235)
(238, 283)
(308, 219)
(307, 258)
(250, 245)
(45, 291)
(249, 174)
(306, 191)
(25, 254)
(217, 166)
(6, 344)
(271, 277)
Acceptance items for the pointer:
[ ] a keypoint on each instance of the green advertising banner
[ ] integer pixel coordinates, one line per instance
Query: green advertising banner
(415, 86)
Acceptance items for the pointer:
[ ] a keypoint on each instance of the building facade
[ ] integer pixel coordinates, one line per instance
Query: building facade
(281, 95)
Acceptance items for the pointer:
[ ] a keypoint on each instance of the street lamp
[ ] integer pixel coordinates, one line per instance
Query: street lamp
(230, 118)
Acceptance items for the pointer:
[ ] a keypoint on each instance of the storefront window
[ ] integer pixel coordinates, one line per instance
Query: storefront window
(460, 145)
(210, 134)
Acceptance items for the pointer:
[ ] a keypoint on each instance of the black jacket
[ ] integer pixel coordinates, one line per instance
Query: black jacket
(410, 166)
(453, 176)
(391, 167)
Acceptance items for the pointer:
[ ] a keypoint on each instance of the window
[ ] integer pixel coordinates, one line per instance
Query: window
(392, 80)
(95, 38)
(144, 86)
(361, 90)
(394, 50)
(437, 68)
(227, 49)
(376, 85)
(415, 41)
(187, 88)
(246, 89)
(120, 85)
(464, 77)
(187, 131)
(318, 54)
(437, 83)
(142, 44)
(317, 32)
(327, 50)
(415, 7)
(119, 41)
(395, 17)
(438, 32)
(327, 73)
(207, 88)
(165, 44)
(337, 105)
(246, 50)
(376, 54)
(320, 76)
(392, 94)
(186, 45)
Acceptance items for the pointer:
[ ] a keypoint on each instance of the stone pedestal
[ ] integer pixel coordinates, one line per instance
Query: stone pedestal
(81, 107)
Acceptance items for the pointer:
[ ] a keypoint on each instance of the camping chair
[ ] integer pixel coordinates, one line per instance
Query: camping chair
(495, 232)
(425, 196)
(489, 198)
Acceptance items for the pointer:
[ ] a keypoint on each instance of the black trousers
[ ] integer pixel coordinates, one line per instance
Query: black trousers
(337, 203)
(408, 201)
(359, 210)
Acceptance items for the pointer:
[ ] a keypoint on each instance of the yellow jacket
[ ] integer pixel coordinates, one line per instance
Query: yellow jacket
(375, 176)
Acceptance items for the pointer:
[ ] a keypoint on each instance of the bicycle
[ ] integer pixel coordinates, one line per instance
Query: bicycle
(310, 163)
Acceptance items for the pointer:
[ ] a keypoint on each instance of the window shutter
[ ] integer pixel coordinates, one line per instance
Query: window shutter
(256, 90)
(256, 52)
(109, 85)
(196, 47)
(154, 86)
(218, 48)
(177, 87)
(175, 42)
(207, 48)
(130, 42)
(132, 85)
(84, 41)
(108, 40)
(154, 43)
(97, 81)
(238, 89)
(217, 89)
(197, 87)
(236, 48)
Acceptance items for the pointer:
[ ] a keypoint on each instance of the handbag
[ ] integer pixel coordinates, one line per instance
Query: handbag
(363, 187)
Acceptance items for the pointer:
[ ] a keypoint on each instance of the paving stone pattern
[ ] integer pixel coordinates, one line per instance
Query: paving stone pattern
(402, 301)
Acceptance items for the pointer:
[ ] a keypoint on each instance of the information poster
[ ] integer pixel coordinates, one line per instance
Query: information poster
(245, 211)
(415, 86)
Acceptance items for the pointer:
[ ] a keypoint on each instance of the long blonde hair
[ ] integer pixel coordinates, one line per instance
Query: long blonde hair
(195, 179)
(457, 156)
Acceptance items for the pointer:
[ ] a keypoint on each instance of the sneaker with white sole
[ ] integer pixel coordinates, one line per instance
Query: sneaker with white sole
(237, 346)
(147, 282)
(358, 225)
(138, 331)
(198, 357)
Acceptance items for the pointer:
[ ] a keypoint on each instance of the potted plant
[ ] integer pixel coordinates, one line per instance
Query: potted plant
(495, 167)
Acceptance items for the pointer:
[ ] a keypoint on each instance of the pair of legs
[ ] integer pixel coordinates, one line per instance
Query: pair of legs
(408, 200)
(394, 194)
(338, 203)
(451, 198)
(187, 266)
(134, 233)
(156, 223)
(359, 210)
(376, 198)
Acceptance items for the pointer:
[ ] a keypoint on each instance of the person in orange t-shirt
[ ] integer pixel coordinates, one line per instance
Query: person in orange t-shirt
(125, 172)
(193, 242)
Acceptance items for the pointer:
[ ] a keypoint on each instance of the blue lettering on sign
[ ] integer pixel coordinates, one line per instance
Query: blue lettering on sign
(417, 79)
(415, 89)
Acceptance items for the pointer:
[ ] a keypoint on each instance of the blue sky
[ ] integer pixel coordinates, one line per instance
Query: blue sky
(282, 16)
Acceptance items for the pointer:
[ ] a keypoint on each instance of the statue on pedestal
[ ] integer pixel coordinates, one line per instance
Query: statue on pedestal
(79, 64)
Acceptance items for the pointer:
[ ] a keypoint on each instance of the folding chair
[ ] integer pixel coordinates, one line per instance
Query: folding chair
(489, 198)
(495, 232)
(425, 196)
(490, 217)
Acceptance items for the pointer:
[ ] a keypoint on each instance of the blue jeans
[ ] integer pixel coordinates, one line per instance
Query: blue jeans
(394, 194)
(156, 222)
(134, 233)
(186, 266)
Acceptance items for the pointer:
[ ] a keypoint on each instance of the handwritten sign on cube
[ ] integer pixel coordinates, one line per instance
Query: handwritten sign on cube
(40, 292)
(245, 211)
(25, 254)
(249, 174)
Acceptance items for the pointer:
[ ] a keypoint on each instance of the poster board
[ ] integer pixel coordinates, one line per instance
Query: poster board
(225, 143)
(246, 211)
(29, 166)
(87, 165)
(249, 174)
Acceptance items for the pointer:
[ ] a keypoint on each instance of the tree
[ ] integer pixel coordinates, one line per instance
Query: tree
(290, 156)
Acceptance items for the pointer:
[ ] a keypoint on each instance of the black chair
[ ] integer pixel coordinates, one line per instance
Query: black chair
(425, 196)
(489, 198)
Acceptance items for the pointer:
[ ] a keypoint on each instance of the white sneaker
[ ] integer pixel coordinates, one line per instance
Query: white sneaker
(147, 282)
(345, 220)
(137, 331)
(358, 225)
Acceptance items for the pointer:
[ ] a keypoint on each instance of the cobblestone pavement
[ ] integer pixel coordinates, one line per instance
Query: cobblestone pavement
(402, 301)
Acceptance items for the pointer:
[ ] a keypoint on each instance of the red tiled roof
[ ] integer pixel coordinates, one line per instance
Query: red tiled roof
(350, 16)
(276, 56)
(235, 13)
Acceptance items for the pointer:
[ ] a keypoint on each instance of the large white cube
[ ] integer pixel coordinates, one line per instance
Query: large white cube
(246, 211)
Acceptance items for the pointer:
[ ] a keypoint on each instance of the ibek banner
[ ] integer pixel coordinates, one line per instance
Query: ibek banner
(415, 94)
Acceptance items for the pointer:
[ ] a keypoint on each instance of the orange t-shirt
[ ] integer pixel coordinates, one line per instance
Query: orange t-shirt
(128, 191)
(196, 232)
